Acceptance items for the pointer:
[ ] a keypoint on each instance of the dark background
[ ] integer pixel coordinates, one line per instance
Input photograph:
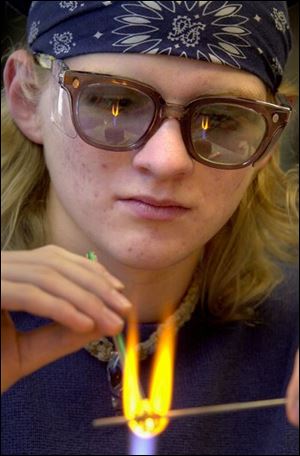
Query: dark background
(13, 22)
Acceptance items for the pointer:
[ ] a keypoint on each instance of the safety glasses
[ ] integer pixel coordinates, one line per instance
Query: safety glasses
(120, 114)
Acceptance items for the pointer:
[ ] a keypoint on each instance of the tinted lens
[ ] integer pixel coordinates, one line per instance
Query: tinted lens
(114, 115)
(226, 133)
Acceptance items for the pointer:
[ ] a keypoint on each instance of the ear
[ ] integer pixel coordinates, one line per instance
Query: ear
(18, 72)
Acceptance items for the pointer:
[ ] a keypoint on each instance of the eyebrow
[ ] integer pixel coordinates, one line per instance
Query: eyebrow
(246, 93)
(242, 93)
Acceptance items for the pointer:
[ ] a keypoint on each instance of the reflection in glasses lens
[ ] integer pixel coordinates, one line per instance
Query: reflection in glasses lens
(226, 133)
(117, 116)
(114, 115)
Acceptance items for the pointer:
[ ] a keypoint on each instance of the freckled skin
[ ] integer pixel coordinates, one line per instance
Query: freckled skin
(162, 169)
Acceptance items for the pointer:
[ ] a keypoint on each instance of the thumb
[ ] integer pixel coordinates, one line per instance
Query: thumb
(293, 394)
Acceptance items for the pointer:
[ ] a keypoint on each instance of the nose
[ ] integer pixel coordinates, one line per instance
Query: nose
(165, 155)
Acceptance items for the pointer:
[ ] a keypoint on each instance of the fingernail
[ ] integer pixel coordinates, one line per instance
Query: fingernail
(122, 300)
(116, 283)
(115, 319)
(87, 322)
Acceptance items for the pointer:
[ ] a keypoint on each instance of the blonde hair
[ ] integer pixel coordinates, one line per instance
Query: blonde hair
(240, 264)
(25, 179)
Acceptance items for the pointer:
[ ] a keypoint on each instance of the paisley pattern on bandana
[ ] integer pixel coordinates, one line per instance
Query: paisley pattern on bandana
(280, 20)
(71, 6)
(253, 36)
(33, 32)
(219, 29)
(62, 42)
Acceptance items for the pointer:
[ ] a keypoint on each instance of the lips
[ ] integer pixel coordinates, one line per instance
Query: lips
(149, 208)
(157, 202)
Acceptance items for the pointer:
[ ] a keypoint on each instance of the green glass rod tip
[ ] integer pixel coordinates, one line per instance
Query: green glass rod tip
(91, 256)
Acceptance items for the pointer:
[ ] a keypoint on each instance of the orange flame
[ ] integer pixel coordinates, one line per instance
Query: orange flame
(147, 416)
(204, 123)
(115, 109)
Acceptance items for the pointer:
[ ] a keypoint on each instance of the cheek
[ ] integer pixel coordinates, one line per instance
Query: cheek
(222, 190)
(76, 168)
(230, 181)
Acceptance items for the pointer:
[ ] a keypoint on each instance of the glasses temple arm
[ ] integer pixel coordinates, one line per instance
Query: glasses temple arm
(284, 100)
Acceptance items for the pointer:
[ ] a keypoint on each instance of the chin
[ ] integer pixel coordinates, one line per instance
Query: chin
(147, 258)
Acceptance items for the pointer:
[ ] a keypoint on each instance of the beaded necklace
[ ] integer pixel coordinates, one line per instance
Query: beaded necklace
(104, 349)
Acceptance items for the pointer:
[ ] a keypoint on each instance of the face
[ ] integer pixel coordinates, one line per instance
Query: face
(149, 208)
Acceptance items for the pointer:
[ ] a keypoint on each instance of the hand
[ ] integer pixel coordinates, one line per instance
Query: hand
(292, 408)
(81, 298)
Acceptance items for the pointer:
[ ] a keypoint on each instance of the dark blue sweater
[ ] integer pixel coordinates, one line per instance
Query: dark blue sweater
(50, 412)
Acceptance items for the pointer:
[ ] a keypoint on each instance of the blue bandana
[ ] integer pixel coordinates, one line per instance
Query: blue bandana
(252, 36)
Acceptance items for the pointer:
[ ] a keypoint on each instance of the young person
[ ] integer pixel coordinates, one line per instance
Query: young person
(148, 133)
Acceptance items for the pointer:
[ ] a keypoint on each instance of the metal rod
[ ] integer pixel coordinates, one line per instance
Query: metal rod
(221, 408)
(203, 410)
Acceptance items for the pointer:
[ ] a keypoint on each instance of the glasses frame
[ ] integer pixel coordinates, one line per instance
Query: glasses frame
(276, 115)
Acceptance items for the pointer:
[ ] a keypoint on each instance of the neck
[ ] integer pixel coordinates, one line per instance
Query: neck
(154, 294)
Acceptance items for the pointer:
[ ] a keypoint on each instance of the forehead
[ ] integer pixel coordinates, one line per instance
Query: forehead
(174, 77)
